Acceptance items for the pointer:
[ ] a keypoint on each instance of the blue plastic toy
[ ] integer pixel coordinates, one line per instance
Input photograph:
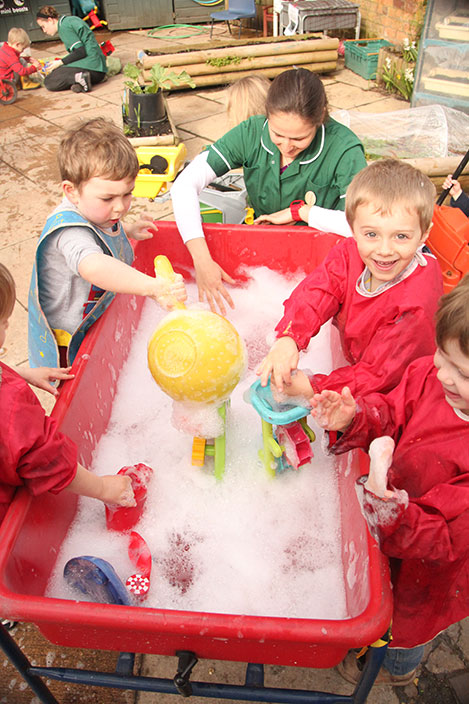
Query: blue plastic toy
(289, 445)
(97, 579)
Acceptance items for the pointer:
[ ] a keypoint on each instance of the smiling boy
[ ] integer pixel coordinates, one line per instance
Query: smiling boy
(84, 256)
(380, 288)
(422, 521)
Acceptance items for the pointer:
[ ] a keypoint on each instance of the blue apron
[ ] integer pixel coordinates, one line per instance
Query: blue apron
(42, 344)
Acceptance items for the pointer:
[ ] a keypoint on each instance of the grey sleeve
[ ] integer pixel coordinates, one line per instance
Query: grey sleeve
(76, 243)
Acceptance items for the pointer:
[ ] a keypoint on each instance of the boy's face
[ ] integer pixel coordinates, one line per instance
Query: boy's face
(386, 243)
(453, 374)
(101, 201)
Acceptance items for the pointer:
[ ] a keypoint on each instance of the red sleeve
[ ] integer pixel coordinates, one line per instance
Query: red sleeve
(390, 351)
(385, 414)
(40, 455)
(316, 299)
(22, 70)
(433, 527)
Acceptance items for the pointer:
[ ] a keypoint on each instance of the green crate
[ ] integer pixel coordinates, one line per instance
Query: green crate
(361, 56)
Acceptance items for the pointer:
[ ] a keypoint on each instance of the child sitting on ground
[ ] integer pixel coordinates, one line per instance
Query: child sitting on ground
(84, 257)
(420, 512)
(12, 66)
(380, 288)
(459, 199)
(33, 453)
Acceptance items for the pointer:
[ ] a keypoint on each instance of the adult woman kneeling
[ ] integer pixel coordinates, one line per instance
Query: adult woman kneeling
(296, 149)
(84, 65)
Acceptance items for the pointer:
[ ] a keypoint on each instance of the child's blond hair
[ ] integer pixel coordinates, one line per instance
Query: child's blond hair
(387, 182)
(246, 97)
(452, 317)
(96, 148)
(17, 35)
(7, 292)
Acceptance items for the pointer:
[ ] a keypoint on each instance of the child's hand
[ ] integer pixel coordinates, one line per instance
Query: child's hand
(117, 490)
(43, 376)
(168, 293)
(281, 217)
(334, 411)
(279, 363)
(143, 229)
(453, 185)
(299, 385)
(380, 452)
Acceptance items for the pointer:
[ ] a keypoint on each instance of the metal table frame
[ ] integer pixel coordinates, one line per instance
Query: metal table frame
(123, 678)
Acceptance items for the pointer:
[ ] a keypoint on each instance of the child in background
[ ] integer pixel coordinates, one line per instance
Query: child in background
(459, 199)
(380, 289)
(84, 257)
(12, 66)
(419, 512)
(246, 97)
(33, 453)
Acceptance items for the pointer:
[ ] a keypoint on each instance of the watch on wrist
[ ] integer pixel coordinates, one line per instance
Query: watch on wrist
(295, 209)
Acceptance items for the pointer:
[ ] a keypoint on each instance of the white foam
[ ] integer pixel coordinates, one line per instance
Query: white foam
(245, 545)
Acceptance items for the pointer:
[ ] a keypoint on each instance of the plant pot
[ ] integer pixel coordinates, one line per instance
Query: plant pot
(145, 109)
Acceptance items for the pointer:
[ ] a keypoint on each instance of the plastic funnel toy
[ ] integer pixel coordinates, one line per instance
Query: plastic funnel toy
(195, 355)
(138, 584)
(97, 579)
(139, 554)
(124, 518)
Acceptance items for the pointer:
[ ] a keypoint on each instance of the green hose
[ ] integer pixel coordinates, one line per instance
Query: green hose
(152, 32)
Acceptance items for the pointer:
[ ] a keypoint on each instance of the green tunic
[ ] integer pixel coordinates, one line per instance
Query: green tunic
(326, 167)
(74, 33)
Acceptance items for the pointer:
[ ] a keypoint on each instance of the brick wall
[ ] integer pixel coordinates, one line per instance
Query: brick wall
(392, 19)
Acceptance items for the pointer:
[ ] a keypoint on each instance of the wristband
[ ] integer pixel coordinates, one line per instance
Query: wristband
(295, 209)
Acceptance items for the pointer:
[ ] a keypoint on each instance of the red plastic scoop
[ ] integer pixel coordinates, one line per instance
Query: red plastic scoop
(124, 518)
(139, 554)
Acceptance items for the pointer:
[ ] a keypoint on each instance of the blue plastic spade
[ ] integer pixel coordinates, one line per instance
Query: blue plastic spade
(97, 579)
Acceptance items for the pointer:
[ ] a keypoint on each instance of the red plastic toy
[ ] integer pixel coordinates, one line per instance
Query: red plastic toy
(124, 518)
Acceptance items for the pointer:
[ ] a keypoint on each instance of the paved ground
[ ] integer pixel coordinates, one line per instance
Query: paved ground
(29, 133)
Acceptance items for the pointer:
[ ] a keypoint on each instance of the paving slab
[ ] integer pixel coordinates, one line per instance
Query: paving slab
(342, 95)
(185, 107)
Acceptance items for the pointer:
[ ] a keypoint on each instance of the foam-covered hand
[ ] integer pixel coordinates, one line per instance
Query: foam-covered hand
(380, 452)
(334, 411)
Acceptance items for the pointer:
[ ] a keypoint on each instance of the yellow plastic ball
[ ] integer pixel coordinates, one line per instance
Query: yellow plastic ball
(196, 355)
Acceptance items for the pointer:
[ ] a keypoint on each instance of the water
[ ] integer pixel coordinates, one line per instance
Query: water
(244, 545)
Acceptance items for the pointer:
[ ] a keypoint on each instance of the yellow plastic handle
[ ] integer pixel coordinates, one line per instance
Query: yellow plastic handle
(164, 269)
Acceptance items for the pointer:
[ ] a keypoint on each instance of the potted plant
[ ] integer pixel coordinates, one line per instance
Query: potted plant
(144, 106)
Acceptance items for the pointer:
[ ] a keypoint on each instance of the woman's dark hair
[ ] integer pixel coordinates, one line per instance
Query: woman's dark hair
(301, 92)
(47, 11)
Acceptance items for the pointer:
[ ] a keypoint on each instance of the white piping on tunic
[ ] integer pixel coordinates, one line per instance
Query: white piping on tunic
(262, 141)
(221, 156)
(321, 147)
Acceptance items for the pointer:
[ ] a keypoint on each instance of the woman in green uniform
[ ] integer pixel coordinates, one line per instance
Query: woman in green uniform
(296, 149)
(84, 65)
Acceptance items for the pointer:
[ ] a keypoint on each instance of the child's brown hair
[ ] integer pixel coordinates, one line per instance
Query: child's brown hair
(96, 148)
(17, 35)
(7, 292)
(387, 182)
(452, 317)
(246, 97)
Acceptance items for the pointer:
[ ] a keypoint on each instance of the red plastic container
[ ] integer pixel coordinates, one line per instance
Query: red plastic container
(34, 528)
(122, 518)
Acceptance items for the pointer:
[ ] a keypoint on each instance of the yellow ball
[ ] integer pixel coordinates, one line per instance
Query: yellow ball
(196, 355)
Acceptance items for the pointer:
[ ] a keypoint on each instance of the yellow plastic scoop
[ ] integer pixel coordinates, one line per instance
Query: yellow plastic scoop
(195, 355)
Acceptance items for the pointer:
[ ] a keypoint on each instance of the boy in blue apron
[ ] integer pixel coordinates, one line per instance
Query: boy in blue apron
(84, 256)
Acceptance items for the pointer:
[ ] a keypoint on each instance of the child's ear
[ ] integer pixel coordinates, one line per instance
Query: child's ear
(70, 191)
(425, 234)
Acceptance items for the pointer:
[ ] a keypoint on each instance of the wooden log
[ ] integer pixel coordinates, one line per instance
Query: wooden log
(195, 57)
(257, 64)
(222, 78)
(438, 166)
